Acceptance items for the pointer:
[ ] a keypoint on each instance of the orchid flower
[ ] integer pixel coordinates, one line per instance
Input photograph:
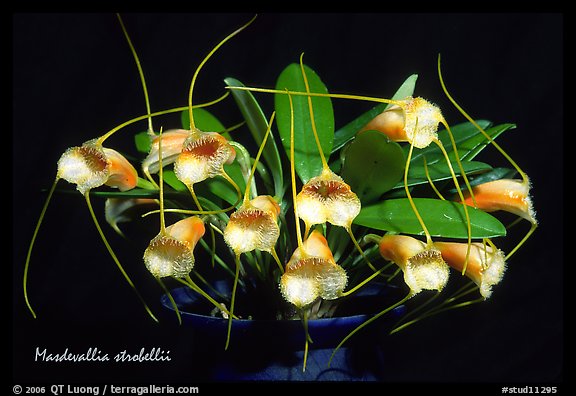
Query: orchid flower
(486, 264)
(312, 273)
(422, 265)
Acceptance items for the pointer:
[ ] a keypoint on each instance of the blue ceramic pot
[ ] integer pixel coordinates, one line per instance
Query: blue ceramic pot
(272, 350)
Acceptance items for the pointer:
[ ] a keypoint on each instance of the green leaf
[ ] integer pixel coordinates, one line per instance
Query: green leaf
(442, 218)
(440, 171)
(372, 165)
(258, 124)
(142, 142)
(204, 120)
(145, 184)
(461, 132)
(477, 143)
(170, 178)
(347, 132)
(307, 161)
(222, 188)
(494, 174)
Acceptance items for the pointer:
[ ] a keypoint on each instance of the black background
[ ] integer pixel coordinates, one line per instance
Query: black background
(74, 78)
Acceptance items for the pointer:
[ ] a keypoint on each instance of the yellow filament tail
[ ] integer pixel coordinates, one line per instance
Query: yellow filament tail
(409, 195)
(528, 234)
(140, 72)
(311, 110)
(257, 158)
(307, 340)
(364, 282)
(195, 76)
(113, 255)
(277, 259)
(31, 246)
(192, 285)
(316, 94)
(235, 186)
(366, 323)
(360, 250)
(430, 181)
(232, 302)
(172, 302)
(467, 116)
(465, 207)
(293, 173)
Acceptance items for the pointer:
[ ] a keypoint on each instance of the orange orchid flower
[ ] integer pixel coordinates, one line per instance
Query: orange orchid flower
(327, 198)
(203, 156)
(172, 144)
(171, 253)
(411, 120)
(422, 264)
(91, 165)
(312, 273)
(254, 226)
(486, 264)
(510, 195)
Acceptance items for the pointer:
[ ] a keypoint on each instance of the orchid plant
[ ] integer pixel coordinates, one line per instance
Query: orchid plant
(315, 211)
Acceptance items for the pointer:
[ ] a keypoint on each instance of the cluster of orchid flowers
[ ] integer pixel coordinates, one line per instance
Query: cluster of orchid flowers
(256, 222)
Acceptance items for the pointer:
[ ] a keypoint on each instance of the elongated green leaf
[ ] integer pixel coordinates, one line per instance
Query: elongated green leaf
(170, 178)
(440, 171)
(469, 144)
(475, 144)
(442, 218)
(134, 193)
(307, 161)
(347, 132)
(494, 174)
(373, 165)
(461, 132)
(258, 124)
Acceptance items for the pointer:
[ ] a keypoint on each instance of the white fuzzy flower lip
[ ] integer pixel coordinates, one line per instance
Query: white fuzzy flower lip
(421, 119)
(426, 271)
(203, 156)
(253, 226)
(423, 266)
(312, 273)
(171, 253)
(91, 165)
(86, 166)
(251, 229)
(167, 256)
(310, 278)
(327, 198)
